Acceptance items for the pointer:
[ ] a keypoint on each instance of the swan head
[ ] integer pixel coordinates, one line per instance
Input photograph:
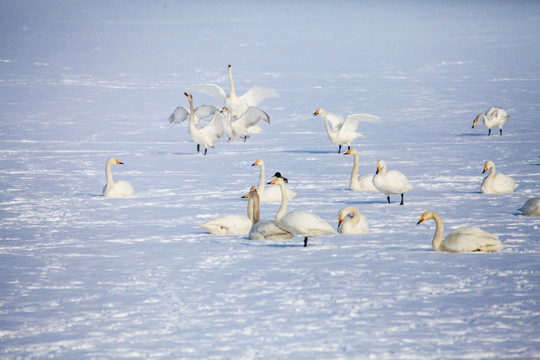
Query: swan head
(251, 192)
(114, 161)
(224, 109)
(318, 111)
(476, 119)
(426, 215)
(279, 180)
(346, 212)
(380, 165)
(259, 162)
(188, 95)
(351, 151)
(488, 165)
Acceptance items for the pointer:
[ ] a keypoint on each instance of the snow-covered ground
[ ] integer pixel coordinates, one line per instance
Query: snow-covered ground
(88, 277)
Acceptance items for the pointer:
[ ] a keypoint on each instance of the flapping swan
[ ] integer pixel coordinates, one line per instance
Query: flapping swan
(237, 105)
(269, 193)
(245, 123)
(493, 117)
(496, 183)
(115, 188)
(351, 221)
(359, 183)
(299, 222)
(264, 229)
(205, 136)
(231, 224)
(201, 112)
(343, 131)
(463, 239)
(391, 182)
(531, 207)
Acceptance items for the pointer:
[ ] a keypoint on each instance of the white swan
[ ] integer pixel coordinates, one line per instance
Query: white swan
(264, 229)
(299, 222)
(463, 239)
(201, 112)
(531, 207)
(115, 188)
(495, 116)
(359, 183)
(496, 183)
(231, 224)
(351, 221)
(204, 136)
(245, 123)
(343, 131)
(269, 193)
(391, 182)
(237, 105)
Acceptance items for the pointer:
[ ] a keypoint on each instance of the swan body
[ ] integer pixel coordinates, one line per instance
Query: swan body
(496, 183)
(351, 221)
(531, 207)
(236, 104)
(363, 182)
(207, 135)
(246, 123)
(115, 188)
(390, 182)
(495, 116)
(343, 131)
(231, 224)
(299, 222)
(463, 239)
(264, 229)
(269, 193)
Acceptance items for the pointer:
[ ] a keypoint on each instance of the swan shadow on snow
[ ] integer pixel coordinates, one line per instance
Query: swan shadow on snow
(312, 152)
(471, 134)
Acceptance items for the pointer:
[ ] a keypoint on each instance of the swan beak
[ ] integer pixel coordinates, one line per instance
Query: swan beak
(119, 162)
(245, 196)
(273, 181)
(348, 152)
(485, 169)
(316, 113)
(255, 163)
(421, 219)
(187, 94)
(378, 169)
(340, 220)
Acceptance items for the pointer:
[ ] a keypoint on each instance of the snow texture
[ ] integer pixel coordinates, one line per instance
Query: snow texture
(88, 277)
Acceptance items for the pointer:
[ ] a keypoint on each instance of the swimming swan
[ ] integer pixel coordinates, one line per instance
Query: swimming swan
(496, 183)
(269, 193)
(343, 131)
(359, 183)
(264, 229)
(237, 105)
(231, 224)
(299, 222)
(115, 189)
(495, 116)
(391, 182)
(245, 123)
(213, 130)
(463, 239)
(531, 207)
(351, 221)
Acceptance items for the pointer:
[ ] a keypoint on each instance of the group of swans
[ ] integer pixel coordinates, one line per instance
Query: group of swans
(495, 116)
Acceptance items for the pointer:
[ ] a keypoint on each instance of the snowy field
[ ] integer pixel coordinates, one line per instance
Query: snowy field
(88, 277)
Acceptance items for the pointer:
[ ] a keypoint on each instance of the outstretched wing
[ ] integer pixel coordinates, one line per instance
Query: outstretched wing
(212, 90)
(179, 114)
(257, 94)
(336, 120)
(351, 122)
(252, 116)
(219, 125)
(204, 111)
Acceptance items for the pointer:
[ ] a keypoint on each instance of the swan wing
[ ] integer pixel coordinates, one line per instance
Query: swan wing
(219, 125)
(305, 223)
(179, 114)
(205, 111)
(212, 90)
(471, 238)
(252, 116)
(230, 224)
(351, 122)
(268, 230)
(336, 120)
(257, 94)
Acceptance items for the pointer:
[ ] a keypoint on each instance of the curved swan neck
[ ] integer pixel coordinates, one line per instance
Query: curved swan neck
(438, 237)
(232, 92)
(283, 208)
(326, 125)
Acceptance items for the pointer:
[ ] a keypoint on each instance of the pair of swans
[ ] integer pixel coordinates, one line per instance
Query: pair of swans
(203, 136)
(237, 105)
(463, 239)
(270, 193)
(343, 130)
(390, 182)
(115, 188)
(496, 183)
(495, 116)
(363, 182)
(531, 207)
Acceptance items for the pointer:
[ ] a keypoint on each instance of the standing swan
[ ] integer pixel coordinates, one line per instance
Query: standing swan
(237, 105)
(351, 221)
(118, 188)
(343, 131)
(299, 222)
(359, 183)
(205, 136)
(264, 229)
(391, 182)
(232, 224)
(495, 116)
(463, 239)
(531, 207)
(496, 183)
(270, 193)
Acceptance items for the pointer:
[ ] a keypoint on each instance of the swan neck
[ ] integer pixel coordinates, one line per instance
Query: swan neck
(232, 92)
(326, 125)
(256, 209)
(355, 166)
(191, 113)
(438, 237)
(250, 208)
(108, 174)
(284, 200)
(261, 179)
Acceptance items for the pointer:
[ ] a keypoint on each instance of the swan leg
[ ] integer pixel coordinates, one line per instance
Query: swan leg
(489, 132)
(388, 198)
(500, 130)
(401, 199)
(305, 241)
(198, 148)
(205, 150)
(339, 149)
